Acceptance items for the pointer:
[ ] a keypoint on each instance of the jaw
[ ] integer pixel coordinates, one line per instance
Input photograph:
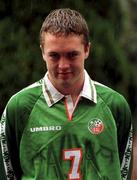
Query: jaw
(70, 86)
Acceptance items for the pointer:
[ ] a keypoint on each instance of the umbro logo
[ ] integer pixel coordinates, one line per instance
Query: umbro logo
(45, 128)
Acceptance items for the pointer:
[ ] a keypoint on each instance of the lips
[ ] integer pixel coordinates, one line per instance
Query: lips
(64, 74)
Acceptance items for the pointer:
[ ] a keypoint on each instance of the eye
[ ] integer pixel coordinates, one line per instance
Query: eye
(54, 55)
(72, 55)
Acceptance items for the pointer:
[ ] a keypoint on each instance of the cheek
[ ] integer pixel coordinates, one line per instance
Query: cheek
(80, 63)
(50, 65)
(52, 69)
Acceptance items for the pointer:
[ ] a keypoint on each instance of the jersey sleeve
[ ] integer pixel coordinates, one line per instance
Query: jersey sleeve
(12, 124)
(9, 154)
(122, 115)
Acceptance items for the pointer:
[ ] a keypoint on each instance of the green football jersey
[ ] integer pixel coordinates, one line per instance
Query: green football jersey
(40, 142)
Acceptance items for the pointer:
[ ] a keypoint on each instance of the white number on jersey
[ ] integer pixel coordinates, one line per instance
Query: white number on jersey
(75, 156)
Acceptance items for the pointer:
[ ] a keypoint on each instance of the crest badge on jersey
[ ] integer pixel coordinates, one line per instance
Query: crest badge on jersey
(95, 126)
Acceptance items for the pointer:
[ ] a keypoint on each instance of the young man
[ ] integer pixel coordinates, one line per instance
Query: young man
(66, 126)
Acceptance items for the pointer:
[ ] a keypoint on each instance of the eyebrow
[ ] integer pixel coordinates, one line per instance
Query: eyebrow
(55, 52)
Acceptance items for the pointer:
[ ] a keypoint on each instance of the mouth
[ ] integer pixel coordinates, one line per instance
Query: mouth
(64, 74)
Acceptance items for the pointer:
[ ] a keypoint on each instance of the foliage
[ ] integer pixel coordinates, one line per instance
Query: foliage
(113, 43)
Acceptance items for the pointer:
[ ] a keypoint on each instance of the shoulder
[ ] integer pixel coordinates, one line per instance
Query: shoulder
(20, 105)
(117, 105)
(27, 96)
(114, 100)
(109, 95)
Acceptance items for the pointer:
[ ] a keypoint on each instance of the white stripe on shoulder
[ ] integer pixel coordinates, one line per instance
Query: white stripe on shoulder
(36, 84)
(97, 83)
(94, 92)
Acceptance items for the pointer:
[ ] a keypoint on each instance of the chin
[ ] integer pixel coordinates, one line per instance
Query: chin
(65, 84)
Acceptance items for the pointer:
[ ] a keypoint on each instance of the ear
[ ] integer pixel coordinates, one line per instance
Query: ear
(43, 54)
(44, 58)
(87, 50)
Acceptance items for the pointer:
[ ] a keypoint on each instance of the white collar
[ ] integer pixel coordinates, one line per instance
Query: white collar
(52, 95)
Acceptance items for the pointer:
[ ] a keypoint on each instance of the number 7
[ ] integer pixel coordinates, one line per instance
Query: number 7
(75, 155)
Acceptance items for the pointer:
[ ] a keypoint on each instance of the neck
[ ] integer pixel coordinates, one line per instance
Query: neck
(73, 90)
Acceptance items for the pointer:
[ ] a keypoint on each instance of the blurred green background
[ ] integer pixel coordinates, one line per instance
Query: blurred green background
(113, 35)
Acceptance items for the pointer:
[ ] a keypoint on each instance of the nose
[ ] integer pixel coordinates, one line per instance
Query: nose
(63, 63)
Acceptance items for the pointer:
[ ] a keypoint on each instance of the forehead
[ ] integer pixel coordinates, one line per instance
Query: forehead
(70, 42)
